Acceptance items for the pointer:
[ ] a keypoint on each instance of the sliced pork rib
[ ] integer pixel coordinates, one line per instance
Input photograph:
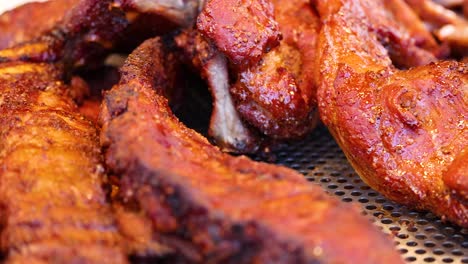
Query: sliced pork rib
(402, 131)
(53, 207)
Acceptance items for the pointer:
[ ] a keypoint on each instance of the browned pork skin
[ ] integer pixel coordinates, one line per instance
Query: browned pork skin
(212, 207)
(403, 131)
(52, 206)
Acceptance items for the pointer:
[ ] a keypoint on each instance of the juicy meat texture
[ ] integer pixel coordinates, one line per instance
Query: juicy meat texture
(242, 29)
(277, 95)
(212, 207)
(31, 20)
(52, 205)
(226, 127)
(403, 131)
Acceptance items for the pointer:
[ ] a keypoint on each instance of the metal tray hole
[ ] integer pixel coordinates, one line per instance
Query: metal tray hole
(429, 244)
(388, 207)
(403, 236)
(439, 237)
(339, 193)
(429, 259)
(363, 200)
(342, 180)
(396, 214)
(386, 221)
(420, 236)
(420, 251)
(347, 199)
(380, 200)
(322, 179)
(448, 245)
(422, 222)
(449, 230)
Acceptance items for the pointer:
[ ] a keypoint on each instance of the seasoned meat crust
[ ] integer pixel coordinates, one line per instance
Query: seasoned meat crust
(213, 207)
(403, 131)
(52, 204)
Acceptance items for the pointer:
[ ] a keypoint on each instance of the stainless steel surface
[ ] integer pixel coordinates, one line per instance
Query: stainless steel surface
(421, 237)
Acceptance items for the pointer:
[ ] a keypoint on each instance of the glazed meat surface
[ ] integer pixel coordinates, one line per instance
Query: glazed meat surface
(243, 30)
(212, 207)
(52, 206)
(273, 88)
(31, 20)
(277, 94)
(403, 131)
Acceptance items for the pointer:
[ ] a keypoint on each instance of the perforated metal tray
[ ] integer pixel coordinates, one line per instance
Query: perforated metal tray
(421, 237)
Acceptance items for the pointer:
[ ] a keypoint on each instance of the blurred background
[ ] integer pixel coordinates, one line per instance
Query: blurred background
(9, 4)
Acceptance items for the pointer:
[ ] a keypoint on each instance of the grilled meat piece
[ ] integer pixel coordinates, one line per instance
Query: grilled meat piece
(277, 94)
(226, 127)
(274, 90)
(242, 29)
(31, 20)
(83, 37)
(401, 130)
(52, 206)
(212, 207)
